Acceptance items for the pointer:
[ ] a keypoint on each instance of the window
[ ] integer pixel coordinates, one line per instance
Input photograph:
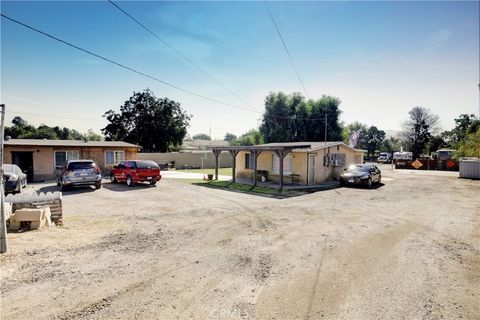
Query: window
(62, 156)
(114, 157)
(249, 161)
(287, 164)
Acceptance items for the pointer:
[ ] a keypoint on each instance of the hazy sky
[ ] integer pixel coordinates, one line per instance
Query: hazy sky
(380, 58)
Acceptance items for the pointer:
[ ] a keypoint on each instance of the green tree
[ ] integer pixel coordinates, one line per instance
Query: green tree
(349, 129)
(201, 136)
(419, 129)
(470, 147)
(230, 137)
(464, 125)
(250, 138)
(92, 136)
(391, 145)
(154, 123)
(374, 139)
(291, 118)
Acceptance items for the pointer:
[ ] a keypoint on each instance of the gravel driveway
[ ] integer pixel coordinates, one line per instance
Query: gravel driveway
(409, 249)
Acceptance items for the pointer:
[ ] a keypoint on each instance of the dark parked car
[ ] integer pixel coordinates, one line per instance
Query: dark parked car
(133, 171)
(13, 178)
(80, 173)
(361, 174)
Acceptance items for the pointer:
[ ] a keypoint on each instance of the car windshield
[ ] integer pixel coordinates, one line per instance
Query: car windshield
(146, 165)
(9, 168)
(81, 165)
(358, 168)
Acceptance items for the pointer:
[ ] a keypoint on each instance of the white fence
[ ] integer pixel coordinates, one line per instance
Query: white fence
(33, 197)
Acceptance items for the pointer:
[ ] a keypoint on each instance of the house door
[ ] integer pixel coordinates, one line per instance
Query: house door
(25, 161)
(311, 168)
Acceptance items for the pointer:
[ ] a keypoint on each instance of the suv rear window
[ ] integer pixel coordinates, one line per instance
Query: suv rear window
(146, 165)
(81, 165)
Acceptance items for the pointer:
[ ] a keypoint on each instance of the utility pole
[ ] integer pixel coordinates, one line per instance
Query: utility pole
(3, 222)
(326, 129)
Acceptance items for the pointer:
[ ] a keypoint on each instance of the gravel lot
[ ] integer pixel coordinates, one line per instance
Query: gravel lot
(409, 249)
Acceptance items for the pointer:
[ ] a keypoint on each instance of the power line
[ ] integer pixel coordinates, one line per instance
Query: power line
(178, 52)
(140, 73)
(52, 116)
(128, 68)
(286, 49)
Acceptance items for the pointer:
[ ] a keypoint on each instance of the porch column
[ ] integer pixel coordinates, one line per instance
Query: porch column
(255, 154)
(234, 153)
(216, 153)
(281, 155)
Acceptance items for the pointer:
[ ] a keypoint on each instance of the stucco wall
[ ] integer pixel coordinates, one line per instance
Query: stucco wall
(44, 158)
(300, 164)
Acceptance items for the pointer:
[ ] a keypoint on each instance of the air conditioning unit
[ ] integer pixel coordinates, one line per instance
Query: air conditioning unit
(337, 163)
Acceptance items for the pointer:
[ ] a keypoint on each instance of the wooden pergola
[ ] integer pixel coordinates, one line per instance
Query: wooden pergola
(280, 150)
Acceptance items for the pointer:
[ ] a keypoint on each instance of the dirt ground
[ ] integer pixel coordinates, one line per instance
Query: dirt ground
(409, 249)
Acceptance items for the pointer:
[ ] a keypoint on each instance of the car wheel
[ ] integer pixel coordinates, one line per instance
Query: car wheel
(129, 181)
(58, 182)
(342, 182)
(112, 179)
(153, 183)
(98, 186)
(369, 182)
(64, 188)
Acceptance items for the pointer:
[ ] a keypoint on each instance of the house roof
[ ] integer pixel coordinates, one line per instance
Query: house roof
(292, 146)
(68, 143)
(313, 146)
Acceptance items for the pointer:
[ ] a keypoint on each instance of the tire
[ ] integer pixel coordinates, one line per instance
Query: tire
(64, 188)
(369, 183)
(342, 182)
(58, 182)
(130, 182)
(152, 183)
(98, 186)
(113, 179)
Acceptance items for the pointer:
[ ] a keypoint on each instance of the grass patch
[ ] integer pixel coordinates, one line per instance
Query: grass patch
(242, 187)
(221, 171)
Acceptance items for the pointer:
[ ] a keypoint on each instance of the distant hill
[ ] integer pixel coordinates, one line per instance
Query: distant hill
(392, 133)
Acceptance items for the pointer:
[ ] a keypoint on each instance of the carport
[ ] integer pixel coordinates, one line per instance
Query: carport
(280, 150)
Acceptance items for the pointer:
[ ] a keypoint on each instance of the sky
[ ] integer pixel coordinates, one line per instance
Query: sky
(379, 58)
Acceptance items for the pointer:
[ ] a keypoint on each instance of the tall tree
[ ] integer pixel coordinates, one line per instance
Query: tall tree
(230, 137)
(250, 138)
(391, 145)
(291, 118)
(201, 136)
(349, 129)
(154, 123)
(374, 139)
(419, 128)
(464, 125)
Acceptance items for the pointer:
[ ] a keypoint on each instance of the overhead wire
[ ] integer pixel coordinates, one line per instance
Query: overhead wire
(286, 49)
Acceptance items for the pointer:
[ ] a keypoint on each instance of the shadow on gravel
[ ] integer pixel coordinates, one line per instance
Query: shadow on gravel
(262, 191)
(356, 186)
(122, 187)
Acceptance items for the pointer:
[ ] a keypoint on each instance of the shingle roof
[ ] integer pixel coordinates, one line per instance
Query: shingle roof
(314, 146)
(68, 143)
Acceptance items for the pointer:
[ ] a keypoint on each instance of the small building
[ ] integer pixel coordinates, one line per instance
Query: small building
(40, 157)
(304, 163)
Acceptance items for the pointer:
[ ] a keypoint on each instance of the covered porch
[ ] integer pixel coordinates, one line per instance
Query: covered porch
(281, 151)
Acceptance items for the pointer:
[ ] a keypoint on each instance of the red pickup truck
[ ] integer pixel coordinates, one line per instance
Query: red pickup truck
(133, 171)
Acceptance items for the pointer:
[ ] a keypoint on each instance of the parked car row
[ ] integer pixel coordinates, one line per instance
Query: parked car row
(361, 174)
(14, 180)
(86, 172)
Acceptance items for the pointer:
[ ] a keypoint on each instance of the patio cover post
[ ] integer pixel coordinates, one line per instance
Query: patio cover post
(216, 153)
(234, 153)
(281, 155)
(255, 154)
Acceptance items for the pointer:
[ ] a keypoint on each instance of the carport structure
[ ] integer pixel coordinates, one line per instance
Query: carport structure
(281, 150)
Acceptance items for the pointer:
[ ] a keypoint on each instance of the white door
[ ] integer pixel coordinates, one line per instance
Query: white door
(311, 168)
